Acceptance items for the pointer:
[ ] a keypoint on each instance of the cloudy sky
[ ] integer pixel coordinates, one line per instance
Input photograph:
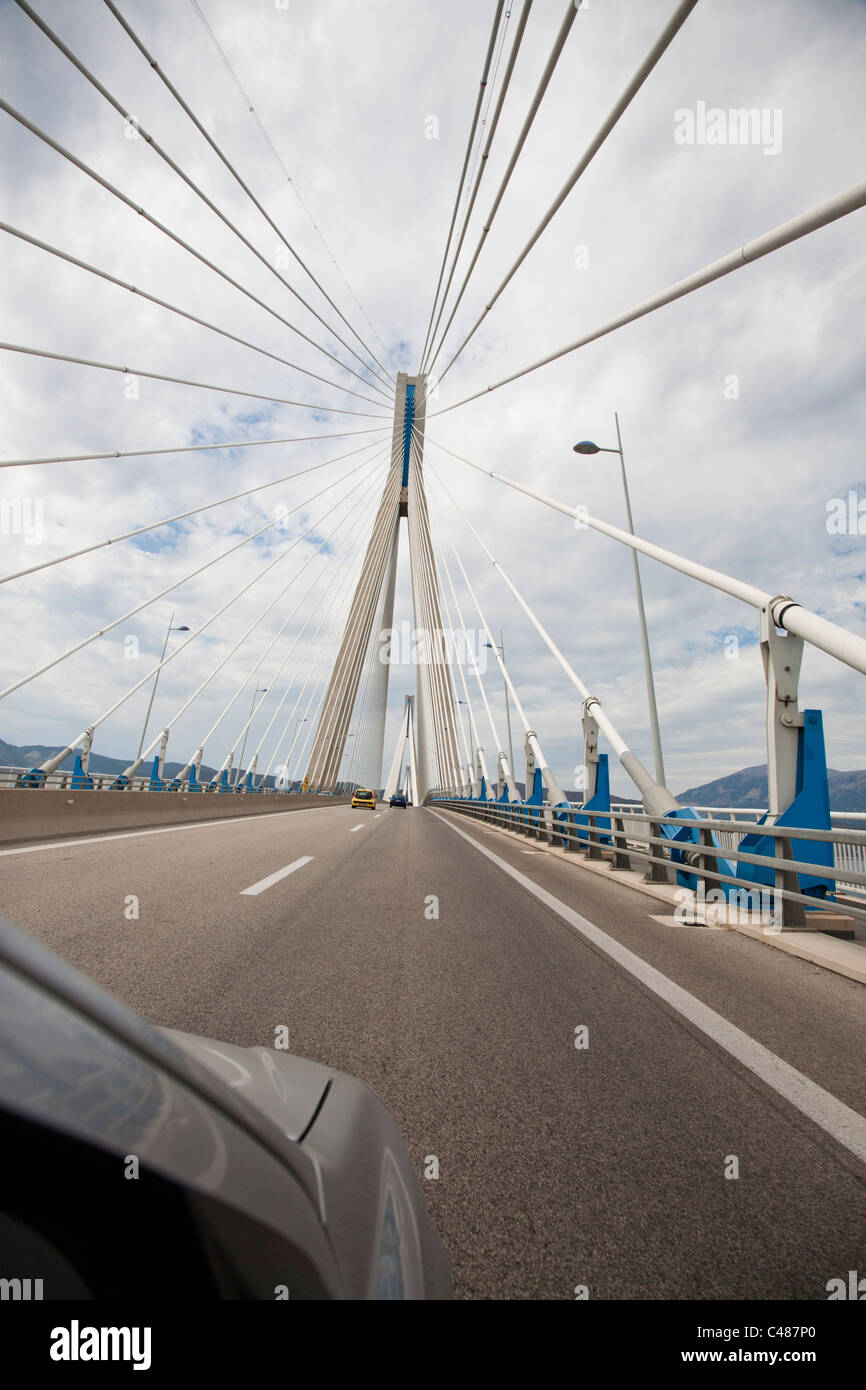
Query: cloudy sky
(739, 405)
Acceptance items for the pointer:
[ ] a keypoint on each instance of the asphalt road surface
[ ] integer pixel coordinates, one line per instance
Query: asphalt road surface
(450, 966)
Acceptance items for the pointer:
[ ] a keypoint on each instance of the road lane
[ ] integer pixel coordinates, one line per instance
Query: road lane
(148, 915)
(836, 1119)
(812, 1017)
(406, 957)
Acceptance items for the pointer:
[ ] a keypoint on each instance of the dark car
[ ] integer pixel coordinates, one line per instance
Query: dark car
(165, 1163)
(398, 799)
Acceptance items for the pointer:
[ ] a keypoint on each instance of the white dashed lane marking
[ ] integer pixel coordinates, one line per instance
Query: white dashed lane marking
(271, 879)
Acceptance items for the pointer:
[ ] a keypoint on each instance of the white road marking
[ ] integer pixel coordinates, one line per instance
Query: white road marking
(377, 815)
(356, 827)
(164, 829)
(838, 1120)
(271, 879)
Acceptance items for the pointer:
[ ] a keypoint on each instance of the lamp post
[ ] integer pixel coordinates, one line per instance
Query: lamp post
(463, 731)
(586, 446)
(169, 631)
(238, 769)
(501, 649)
(288, 778)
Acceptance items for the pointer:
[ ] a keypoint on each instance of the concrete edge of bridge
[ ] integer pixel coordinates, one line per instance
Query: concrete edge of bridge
(27, 815)
(846, 958)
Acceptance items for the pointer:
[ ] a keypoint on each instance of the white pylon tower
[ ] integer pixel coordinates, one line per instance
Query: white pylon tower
(403, 775)
(370, 624)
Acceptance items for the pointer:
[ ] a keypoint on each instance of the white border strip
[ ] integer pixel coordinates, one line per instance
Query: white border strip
(98, 838)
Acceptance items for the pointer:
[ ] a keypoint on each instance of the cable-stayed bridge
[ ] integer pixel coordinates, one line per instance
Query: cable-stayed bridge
(645, 997)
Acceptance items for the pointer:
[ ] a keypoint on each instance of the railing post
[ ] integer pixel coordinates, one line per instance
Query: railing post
(593, 837)
(621, 858)
(658, 871)
(706, 857)
(572, 843)
(786, 913)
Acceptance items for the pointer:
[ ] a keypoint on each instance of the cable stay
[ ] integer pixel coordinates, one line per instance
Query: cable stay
(505, 772)
(86, 736)
(486, 69)
(658, 49)
(476, 182)
(275, 152)
(841, 205)
(476, 761)
(571, 12)
(335, 595)
(366, 485)
(326, 662)
(186, 448)
(182, 381)
(193, 574)
(128, 116)
(836, 641)
(181, 516)
(435, 676)
(175, 309)
(173, 236)
(555, 793)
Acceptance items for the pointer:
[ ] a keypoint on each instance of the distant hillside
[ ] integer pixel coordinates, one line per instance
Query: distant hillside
(749, 788)
(31, 755)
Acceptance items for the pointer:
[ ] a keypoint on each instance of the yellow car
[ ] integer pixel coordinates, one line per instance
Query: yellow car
(364, 797)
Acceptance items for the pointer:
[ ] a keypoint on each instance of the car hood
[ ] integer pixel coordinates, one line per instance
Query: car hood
(288, 1090)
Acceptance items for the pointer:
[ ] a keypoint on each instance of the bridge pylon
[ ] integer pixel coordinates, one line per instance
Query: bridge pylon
(365, 647)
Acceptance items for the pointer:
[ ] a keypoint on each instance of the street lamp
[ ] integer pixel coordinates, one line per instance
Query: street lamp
(169, 630)
(501, 649)
(586, 446)
(299, 721)
(263, 689)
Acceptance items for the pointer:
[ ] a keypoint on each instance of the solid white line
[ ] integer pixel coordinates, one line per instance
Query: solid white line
(838, 1120)
(377, 815)
(163, 829)
(271, 879)
(356, 827)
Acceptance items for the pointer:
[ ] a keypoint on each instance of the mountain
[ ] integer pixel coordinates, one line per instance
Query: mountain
(31, 755)
(749, 788)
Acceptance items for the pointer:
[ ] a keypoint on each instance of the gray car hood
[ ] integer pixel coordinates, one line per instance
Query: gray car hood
(288, 1090)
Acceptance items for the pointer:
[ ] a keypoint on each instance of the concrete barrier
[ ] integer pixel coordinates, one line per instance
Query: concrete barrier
(27, 815)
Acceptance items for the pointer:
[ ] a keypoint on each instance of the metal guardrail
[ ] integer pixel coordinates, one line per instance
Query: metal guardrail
(847, 856)
(102, 781)
(623, 835)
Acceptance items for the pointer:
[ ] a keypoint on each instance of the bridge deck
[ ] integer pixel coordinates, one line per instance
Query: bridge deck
(559, 1167)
